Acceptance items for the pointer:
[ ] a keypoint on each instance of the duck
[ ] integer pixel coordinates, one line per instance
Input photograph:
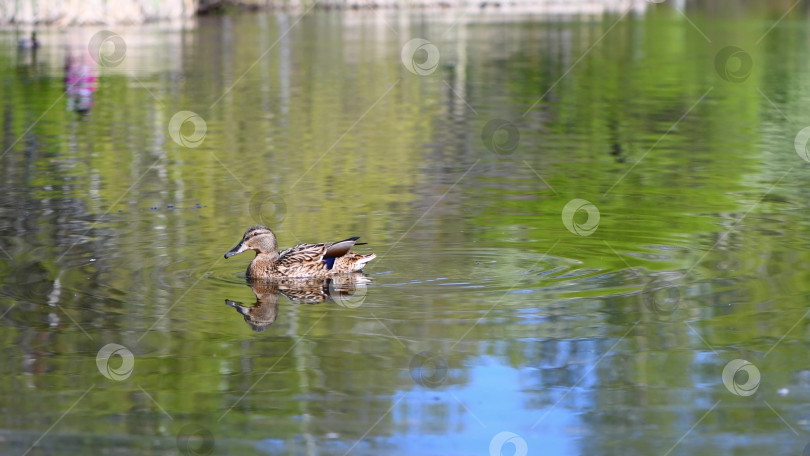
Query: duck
(326, 259)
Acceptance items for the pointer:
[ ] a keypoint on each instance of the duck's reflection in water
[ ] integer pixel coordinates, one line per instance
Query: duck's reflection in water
(345, 290)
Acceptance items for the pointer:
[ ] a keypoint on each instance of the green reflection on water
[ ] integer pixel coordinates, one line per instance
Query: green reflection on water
(114, 233)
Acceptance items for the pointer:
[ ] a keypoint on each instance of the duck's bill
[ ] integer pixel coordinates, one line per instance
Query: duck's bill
(241, 247)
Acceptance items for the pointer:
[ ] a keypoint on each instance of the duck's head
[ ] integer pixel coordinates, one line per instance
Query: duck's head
(258, 238)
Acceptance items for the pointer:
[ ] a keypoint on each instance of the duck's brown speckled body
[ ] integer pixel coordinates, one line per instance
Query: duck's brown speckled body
(303, 260)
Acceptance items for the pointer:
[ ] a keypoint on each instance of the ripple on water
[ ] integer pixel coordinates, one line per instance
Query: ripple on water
(494, 271)
(168, 274)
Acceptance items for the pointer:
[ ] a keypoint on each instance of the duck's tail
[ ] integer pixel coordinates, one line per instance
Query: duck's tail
(361, 261)
(352, 262)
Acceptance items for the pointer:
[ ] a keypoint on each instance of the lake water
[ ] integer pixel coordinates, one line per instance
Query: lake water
(591, 235)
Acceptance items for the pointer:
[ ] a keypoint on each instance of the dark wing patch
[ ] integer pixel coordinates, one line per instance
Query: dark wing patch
(329, 262)
(340, 248)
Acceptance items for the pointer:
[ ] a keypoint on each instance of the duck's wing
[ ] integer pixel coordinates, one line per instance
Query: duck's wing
(340, 248)
(312, 259)
(301, 254)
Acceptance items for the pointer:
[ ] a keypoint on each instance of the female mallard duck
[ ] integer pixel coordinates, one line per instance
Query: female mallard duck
(303, 260)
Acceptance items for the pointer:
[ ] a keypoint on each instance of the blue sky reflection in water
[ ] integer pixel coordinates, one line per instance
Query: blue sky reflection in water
(571, 273)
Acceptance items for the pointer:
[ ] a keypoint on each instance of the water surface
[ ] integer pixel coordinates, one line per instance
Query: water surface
(496, 304)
